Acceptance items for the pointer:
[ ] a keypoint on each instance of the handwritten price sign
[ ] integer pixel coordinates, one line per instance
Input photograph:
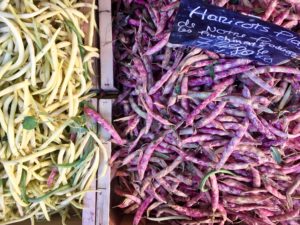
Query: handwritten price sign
(226, 32)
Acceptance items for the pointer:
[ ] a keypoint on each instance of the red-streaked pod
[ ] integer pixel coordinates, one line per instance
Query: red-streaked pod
(194, 213)
(219, 88)
(271, 7)
(256, 177)
(99, 119)
(232, 144)
(215, 194)
(289, 215)
(214, 114)
(141, 209)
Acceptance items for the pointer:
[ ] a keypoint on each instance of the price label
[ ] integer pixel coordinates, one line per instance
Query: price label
(226, 32)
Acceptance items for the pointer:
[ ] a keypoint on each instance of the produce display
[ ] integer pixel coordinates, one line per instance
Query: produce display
(204, 138)
(49, 149)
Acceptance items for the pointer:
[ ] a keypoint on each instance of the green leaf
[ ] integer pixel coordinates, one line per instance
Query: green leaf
(276, 155)
(211, 69)
(90, 145)
(177, 89)
(90, 124)
(212, 72)
(205, 178)
(161, 155)
(29, 123)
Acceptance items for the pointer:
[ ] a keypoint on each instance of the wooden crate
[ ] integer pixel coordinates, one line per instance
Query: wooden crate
(97, 204)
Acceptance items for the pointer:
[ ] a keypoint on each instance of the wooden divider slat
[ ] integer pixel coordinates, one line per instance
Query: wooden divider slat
(103, 197)
(106, 47)
(89, 211)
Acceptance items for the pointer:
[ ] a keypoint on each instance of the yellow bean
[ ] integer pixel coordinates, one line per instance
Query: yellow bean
(71, 64)
(14, 87)
(92, 24)
(44, 210)
(12, 179)
(32, 60)
(5, 68)
(90, 55)
(33, 155)
(25, 15)
(19, 43)
(3, 122)
(91, 174)
(11, 129)
(70, 100)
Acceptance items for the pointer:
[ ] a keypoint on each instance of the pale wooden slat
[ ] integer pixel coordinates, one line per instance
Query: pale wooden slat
(90, 198)
(105, 105)
(106, 47)
(103, 198)
(89, 211)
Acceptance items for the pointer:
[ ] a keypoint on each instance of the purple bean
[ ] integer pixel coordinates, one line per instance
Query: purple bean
(218, 90)
(153, 114)
(256, 177)
(197, 138)
(98, 118)
(200, 81)
(257, 123)
(232, 144)
(218, 110)
(215, 192)
(194, 213)
(166, 58)
(230, 190)
(156, 48)
(141, 210)
(231, 72)
(286, 216)
(169, 168)
(142, 166)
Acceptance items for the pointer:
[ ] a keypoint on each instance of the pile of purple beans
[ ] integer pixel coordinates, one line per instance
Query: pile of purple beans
(204, 138)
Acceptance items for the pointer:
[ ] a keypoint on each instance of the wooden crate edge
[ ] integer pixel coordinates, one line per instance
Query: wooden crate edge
(103, 182)
(106, 47)
(89, 201)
